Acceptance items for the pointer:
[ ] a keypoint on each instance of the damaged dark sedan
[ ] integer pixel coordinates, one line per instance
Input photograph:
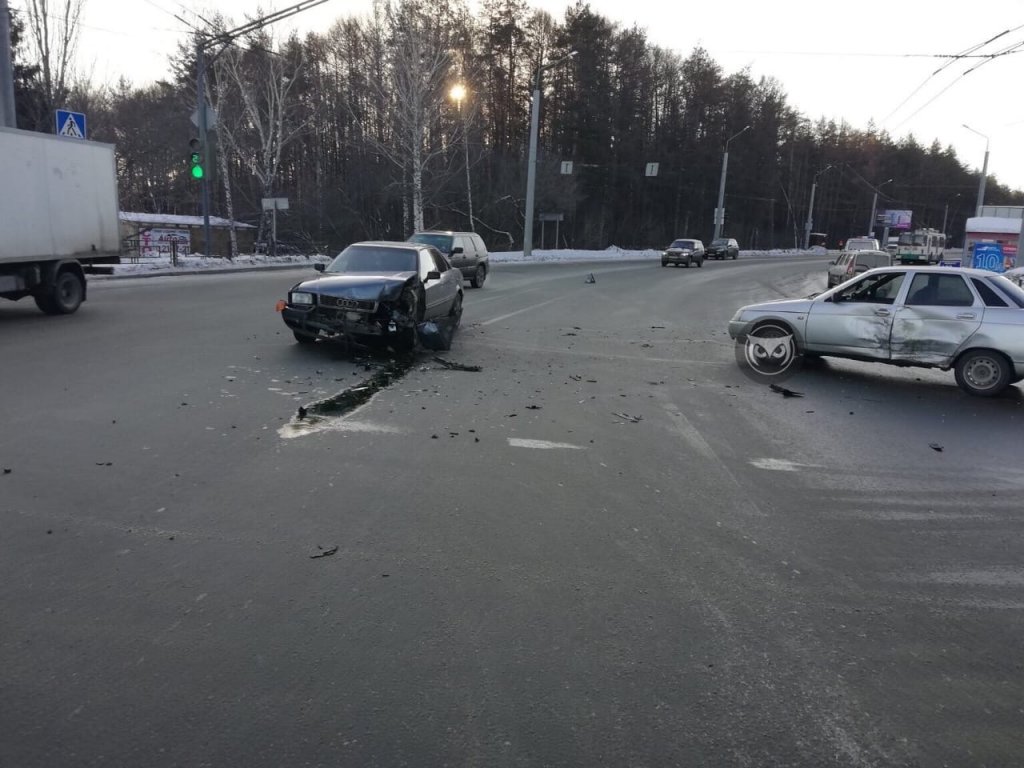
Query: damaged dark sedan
(387, 291)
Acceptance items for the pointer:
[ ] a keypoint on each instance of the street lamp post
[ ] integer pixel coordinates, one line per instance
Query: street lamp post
(8, 115)
(720, 210)
(874, 207)
(984, 171)
(810, 209)
(945, 213)
(531, 167)
(458, 93)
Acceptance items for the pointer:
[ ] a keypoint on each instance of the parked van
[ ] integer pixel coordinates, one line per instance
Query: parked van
(851, 263)
(862, 244)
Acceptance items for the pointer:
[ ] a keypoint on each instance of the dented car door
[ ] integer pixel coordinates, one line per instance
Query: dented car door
(939, 314)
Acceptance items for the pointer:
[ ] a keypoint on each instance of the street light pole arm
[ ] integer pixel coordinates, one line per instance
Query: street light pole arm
(720, 210)
(531, 161)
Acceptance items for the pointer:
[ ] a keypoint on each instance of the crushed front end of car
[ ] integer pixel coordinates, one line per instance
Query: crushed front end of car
(353, 309)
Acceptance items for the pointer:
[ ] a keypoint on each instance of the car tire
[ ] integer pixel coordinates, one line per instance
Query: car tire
(455, 313)
(477, 281)
(303, 338)
(664, 263)
(982, 372)
(734, 256)
(700, 263)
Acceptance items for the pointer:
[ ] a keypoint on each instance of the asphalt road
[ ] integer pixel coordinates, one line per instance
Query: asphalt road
(606, 548)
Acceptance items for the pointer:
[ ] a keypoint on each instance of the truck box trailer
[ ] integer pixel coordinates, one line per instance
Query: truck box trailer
(58, 212)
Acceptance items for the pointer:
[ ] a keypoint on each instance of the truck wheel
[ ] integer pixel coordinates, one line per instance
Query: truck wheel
(64, 296)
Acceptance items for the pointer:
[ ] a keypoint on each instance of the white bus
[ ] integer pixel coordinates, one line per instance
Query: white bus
(922, 246)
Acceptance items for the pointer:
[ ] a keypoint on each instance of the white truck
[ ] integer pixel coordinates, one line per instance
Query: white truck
(58, 213)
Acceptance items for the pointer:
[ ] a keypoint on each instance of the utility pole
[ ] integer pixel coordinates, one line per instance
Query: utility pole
(205, 43)
(874, 206)
(810, 209)
(531, 167)
(720, 210)
(8, 114)
(984, 171)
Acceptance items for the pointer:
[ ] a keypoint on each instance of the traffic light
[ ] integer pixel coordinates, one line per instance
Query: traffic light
(196, 159)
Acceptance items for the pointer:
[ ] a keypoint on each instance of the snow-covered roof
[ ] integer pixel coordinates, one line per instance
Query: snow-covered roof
(993, 225)
(178, 220)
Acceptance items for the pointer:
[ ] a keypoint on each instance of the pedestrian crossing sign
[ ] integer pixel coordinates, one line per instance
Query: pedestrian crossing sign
(70, 124)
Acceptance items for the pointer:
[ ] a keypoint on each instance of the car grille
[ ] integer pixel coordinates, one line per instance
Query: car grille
(357, 305)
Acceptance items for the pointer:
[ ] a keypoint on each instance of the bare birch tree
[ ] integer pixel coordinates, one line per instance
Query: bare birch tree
(53, 31)
(258, 85)
(420, 68)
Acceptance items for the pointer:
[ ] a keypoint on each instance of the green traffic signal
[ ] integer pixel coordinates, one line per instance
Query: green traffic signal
(197, 162)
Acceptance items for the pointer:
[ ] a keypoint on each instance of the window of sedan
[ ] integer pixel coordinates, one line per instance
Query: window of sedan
(989, 296)
(440, 262)
(929, 289)
(874, 289)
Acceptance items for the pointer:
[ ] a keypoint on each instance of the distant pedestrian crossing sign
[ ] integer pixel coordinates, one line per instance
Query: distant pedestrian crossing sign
(70, 124)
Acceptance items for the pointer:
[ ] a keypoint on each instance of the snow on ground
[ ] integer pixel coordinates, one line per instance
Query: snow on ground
(161, 265)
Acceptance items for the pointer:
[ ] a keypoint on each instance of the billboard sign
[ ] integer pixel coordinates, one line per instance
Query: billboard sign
(894, 219)
(988, 256)
(158, 242)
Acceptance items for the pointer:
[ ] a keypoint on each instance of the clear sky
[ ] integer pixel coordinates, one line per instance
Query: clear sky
(850, 61)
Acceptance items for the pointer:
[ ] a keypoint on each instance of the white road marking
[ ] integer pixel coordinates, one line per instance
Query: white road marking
(499, 318)
(303, 428)
(517, 442)
(780, 465)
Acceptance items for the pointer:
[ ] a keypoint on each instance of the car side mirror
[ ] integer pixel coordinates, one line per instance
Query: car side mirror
(433, 275)
(457, 249)
(319, 267)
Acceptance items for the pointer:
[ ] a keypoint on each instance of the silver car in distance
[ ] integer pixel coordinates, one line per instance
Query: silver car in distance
(935, 317)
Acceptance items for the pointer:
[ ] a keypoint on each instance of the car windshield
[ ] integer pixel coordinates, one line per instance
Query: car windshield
(682, 244)
(374, 259)
(720, 241)
(443, 243)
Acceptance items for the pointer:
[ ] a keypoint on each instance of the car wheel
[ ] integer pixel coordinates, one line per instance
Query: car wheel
(734, 256)
(303, 338)
(477, 281)
(455, 313)
(664, 263)
(700, 263)
(982, 372)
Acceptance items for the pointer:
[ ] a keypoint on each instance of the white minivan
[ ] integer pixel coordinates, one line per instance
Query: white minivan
(861, 244)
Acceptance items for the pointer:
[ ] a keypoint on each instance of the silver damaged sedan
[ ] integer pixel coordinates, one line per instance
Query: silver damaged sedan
(937, 317)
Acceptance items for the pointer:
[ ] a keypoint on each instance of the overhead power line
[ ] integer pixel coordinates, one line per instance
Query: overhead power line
(969, 52)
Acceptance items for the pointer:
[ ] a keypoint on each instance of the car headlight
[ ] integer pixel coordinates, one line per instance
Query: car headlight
(300, 299)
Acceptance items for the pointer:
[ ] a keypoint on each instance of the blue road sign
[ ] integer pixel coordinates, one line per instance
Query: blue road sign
(70, 124)
(988, 256)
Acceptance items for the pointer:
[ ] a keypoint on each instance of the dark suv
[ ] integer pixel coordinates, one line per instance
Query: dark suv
(465, 250)
(723, 248)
